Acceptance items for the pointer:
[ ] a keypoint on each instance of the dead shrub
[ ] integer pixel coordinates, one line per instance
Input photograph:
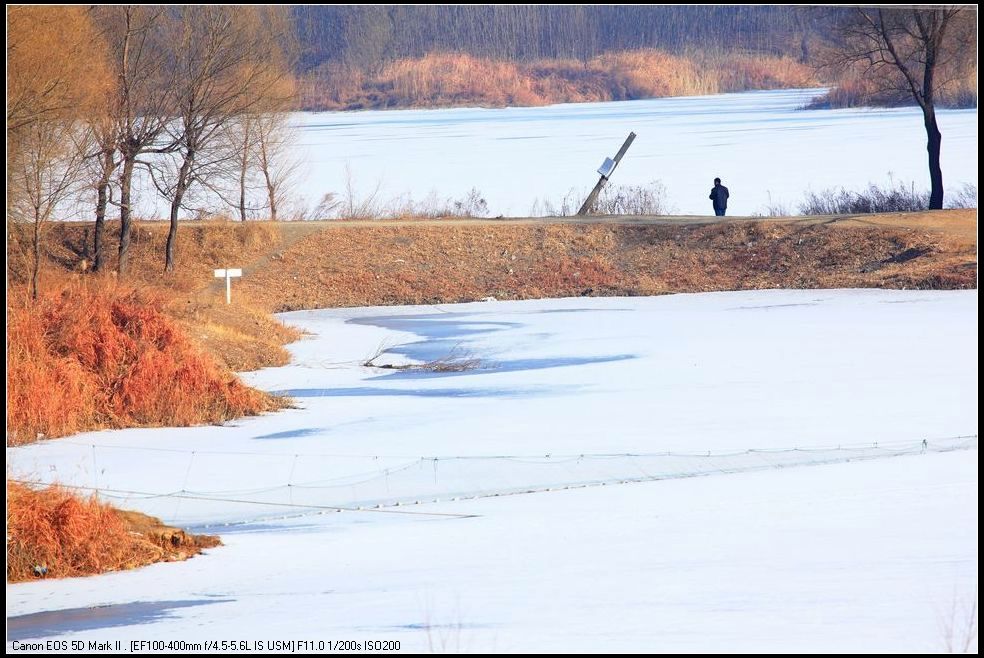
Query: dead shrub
(93, 354)
(55, 533)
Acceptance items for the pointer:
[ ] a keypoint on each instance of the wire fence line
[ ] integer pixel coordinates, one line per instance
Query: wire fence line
(212, 490)
(824, 448)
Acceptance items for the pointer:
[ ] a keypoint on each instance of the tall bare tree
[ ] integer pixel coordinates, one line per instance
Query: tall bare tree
(142, 58)
(54, 64)
(276, 158)
(47, 174)
(242, 136)
(913, 51)
(266, 163)
(102, 162)
(57, 78)
(231, 61)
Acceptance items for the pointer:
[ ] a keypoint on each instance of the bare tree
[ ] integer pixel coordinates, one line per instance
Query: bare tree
(143, 62)
(47, 173)
(266, 163)
(231, 61)
(102, 162)
(237, 182)
(911, 51)
(276, 157)
(246, 134)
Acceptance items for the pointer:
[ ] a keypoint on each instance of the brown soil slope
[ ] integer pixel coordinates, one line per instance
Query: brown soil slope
(243, 338)
(322, 264)
(427, 262)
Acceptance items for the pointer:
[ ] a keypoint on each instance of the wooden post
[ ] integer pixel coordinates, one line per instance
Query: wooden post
(605, 175)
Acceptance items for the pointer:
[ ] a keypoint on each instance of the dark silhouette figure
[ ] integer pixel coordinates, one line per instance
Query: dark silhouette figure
(719, 195)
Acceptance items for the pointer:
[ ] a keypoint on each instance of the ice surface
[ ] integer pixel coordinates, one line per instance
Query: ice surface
(764, 148)
(878, 555)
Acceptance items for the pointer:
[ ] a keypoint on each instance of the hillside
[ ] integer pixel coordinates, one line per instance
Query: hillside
(289, 266)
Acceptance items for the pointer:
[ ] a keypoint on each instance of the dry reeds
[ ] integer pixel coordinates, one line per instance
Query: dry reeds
(859, 87)
(447, 79)
(93, 354)
(55, 533)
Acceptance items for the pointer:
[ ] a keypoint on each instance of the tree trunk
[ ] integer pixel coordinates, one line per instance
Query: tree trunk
(37, 255)
(102, 201)
(125, 181)
(242, 193)
(933, 142)
(271, 189)
(805, 48)
(243, 167)
(99, 237)
(179, 192)
(273, 200)
(172, 232)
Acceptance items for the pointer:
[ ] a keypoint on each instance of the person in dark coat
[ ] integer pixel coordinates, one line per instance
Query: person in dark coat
(719, 195)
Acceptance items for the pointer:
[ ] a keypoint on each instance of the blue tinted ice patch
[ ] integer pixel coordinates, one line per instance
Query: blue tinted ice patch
(367, 391)
(437, 326)
(766, 307)
(515, 365)
(74, 620)
(293, 434)
(579, 310)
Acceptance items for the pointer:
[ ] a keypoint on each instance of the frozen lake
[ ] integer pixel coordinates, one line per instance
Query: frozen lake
(867, 543)
(760, 143)
(764, 148)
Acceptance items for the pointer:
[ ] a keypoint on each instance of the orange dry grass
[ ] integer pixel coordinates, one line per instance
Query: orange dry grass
(69, 535)
(457, 79)
(652, 74)
(747, 72)
(448, 79)
(368, 264)
(66, 534)
(239, 337)
(89, 355)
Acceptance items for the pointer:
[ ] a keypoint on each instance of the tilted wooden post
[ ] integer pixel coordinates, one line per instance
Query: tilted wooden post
(227, 275)
(606, 170)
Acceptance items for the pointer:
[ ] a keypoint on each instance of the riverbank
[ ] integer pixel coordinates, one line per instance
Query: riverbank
(441, 80)
(310, 265)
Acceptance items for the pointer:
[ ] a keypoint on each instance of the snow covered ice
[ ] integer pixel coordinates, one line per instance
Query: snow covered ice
(872, 555)
(766, 149)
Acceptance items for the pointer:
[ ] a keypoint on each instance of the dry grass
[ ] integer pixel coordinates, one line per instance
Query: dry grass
(956, 229)
(317, 265)
(748, 72)
(448, 79)
(53, 532)
(93, 354)
(428, 263)
(238, 336)
(769, 255)
(861, 88)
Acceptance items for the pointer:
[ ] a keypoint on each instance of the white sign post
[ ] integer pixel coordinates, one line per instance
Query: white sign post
(227, 275)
